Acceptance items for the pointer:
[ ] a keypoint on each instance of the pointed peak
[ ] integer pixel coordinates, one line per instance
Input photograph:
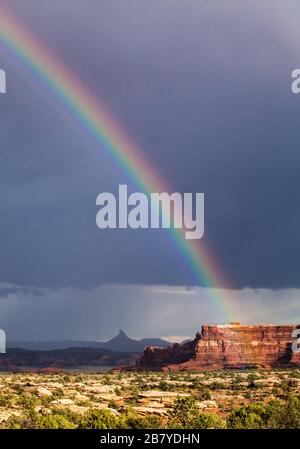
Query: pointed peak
(121, 333)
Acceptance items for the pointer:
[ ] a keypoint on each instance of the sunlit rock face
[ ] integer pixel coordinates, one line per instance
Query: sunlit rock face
(230, 346)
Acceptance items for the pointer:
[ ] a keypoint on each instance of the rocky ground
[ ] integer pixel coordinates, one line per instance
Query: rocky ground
(145, 393)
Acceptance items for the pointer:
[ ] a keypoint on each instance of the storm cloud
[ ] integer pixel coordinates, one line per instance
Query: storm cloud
(172, 312)
(204, 89)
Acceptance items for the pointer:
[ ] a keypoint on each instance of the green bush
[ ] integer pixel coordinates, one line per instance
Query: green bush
(26, 401)
(203, 394)
(164, 386)
(253, 416)
(186, 415)
(131, 420)
(150, 422)
(287, 415)
(218, 385)
(201, 391)
(252, 377)
(273, 415)
(6, 400)
(98, 419)
(54, 421)
(208, 421)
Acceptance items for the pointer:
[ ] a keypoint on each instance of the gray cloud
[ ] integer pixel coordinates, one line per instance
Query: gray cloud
(98, 313)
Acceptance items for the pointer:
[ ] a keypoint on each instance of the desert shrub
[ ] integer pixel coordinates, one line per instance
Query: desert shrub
(54, 421)
(208, 421)
(107, 380)
(236, 383)
(203, 393)
(58, 419)
(79, 378)
(253, 416)
(13, 423)
(118, 391)
(133, 401)
(186, 415)
(252, 377)
(58, 393)
(66, 379)
(164, 386)
(26, 421)
(84, 403)
(285, 386)
(46, 400)
(98, 419)
(150, 422)
(19, 389)
(286, 416)
(275, 391)
(256, 416)
(6, 400)
(27, 402)
(131, 420)
(128, 419)
(217, 386)
(184, 412)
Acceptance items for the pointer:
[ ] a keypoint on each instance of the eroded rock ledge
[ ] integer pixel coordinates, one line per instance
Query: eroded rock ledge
(230, 346)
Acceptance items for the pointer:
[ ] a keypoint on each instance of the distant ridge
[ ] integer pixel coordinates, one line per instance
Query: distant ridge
(119, 343)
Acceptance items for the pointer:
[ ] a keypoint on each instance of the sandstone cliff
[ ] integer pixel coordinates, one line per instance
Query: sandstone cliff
(227, 346)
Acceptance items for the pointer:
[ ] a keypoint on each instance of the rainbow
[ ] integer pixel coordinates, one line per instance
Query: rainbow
(76, 98)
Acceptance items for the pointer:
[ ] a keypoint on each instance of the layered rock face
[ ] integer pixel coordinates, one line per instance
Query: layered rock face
(231, 346)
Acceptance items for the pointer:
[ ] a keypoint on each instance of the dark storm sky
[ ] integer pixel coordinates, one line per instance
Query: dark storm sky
(204, 89)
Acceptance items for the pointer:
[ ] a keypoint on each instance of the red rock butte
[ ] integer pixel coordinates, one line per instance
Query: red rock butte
(230, 346)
